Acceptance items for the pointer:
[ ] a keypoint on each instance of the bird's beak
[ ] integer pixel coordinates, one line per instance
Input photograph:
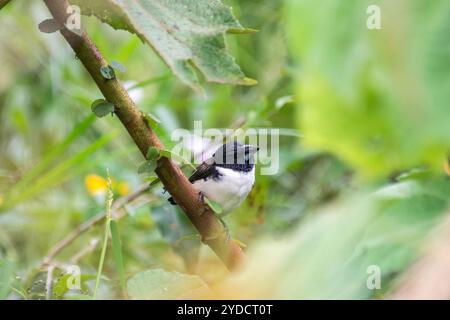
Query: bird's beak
(251, 149)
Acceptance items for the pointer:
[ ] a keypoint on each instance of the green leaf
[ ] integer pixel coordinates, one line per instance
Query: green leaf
(160, 284)
(147, 167)
(217, 208)
(60, 288)
(282, 101)
(118, 66)
(242, 31)
(6, 278)
(49, 26)
(117, 250)
(154, 181)
(172, 155)
(187, 34)
(102, 108)
(376, 98)
(151, 119)
(107, 72)
(152, 154)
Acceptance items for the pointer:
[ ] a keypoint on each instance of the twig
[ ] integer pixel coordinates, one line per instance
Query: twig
(78, 231)
(173, 179)
(49, 282)
(4, 3)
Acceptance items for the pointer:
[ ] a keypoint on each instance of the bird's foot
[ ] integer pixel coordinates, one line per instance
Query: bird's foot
(201, 199)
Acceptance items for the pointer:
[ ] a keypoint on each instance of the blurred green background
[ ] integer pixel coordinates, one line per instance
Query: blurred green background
(365, 132)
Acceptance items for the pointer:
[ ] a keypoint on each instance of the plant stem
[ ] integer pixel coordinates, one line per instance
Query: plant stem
(109, 201)
(173, 179)
(4, 3)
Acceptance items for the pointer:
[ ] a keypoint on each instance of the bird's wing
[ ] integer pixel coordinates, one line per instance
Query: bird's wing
(203, 171)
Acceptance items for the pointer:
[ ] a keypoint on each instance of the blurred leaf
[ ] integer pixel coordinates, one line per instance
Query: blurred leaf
(53, 153)
(282, 101)
(216, 207)
(118, 66)
(102, 108)
(328, 255)
(56, 174)
(147, 167)
(160, 284)
(187, 34)
(117, 250)
(176, 157)
(152, 154)
(151, 119)
(376, 98)
(151, 80)
(61, 287)
(6, 278)
(49, 26)
(171, 224)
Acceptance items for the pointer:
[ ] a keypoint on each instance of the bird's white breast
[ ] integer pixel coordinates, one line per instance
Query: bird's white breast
(229, 190)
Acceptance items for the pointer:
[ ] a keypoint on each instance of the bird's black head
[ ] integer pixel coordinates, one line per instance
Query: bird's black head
(236, 156)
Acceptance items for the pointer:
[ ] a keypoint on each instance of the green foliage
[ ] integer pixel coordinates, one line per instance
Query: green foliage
(152, 154)
(334, 90)
(160, 284)
(117, 251)
(328, 256)
(118, 66)
(101, 107)
(214, 206)
(61, 287)
(151, 119)
(188, 34)
(6, 277)
(49, 26)
(390, 86)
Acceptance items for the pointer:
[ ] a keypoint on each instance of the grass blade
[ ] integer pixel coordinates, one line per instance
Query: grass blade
(109, 201)
(117, 250)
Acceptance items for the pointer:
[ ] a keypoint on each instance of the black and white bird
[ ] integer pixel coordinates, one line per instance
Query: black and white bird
(227, 177)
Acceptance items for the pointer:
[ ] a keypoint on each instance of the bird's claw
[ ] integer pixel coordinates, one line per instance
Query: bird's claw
(201, 197)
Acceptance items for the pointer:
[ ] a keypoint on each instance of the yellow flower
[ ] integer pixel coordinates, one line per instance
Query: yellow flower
(123, 188)
(95, 184)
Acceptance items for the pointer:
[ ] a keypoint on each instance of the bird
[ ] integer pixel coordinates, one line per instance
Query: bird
(227, 177)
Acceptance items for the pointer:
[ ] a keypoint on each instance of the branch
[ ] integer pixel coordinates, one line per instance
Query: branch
(4, 3)
(173, 179)
(49, 283)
